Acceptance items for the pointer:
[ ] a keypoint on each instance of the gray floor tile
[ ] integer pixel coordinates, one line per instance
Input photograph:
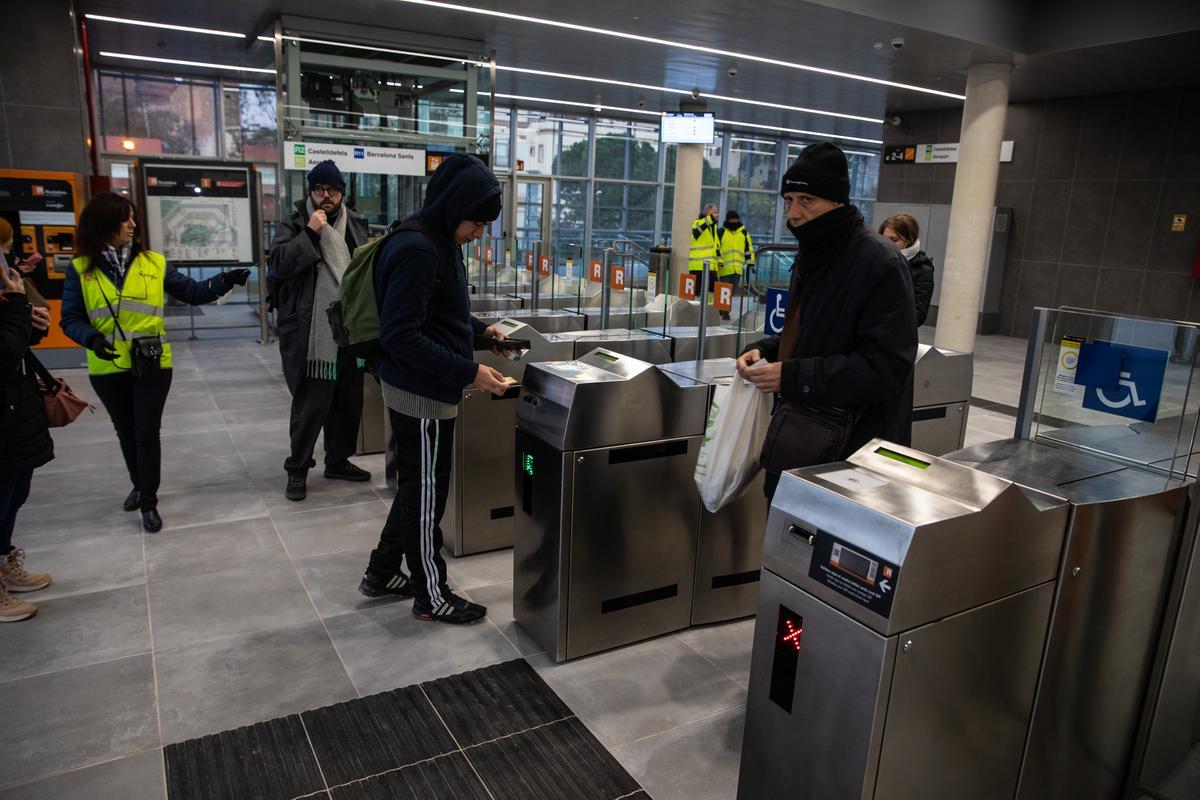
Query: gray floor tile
(640, 690)
(331, 530)
(203, 471)
(203, 608)
(202, 505)
(270, 397)
(74, 631)
(79, 485)
(696, 762)
(332, 583)
(91, 564)
(202, 549)
(498, 599)
(189, 423)
(189, 402)
(485, 569)
(260, 435)
(66, 522)
(322, 492)
(77, 717)
(728, 645)
(137, 777)
(387, 648)
(90, 428)
(209, 688)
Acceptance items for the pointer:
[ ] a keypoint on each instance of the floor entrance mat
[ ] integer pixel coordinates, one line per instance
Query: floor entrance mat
(498, 733)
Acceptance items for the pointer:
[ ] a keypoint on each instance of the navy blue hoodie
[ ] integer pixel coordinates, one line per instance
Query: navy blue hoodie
(425, 323)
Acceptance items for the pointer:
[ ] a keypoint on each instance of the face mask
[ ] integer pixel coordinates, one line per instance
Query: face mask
(733, 225)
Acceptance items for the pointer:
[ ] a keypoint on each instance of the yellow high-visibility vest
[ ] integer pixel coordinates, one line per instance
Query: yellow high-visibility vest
(703, 248)
(138, 306)
(735, 249)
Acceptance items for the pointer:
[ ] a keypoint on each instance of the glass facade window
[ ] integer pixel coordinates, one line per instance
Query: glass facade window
(752, 164)
(623, 211)
(175, 116)
(551, 144)
(250, 122)
(501, 141)
(712, 162)
(626, 150)
(757, 210)
(569, 213)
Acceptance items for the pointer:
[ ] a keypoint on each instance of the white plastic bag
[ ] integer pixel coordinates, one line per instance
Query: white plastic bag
(733, 437)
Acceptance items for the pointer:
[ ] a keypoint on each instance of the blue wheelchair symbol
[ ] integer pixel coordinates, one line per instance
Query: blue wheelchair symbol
(777, 300)
(1122, 379)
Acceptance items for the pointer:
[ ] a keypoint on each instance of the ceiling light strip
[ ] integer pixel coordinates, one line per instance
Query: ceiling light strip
(681, 45)
(687, 92)
(183, 63)
(818, 134)
(165, 26)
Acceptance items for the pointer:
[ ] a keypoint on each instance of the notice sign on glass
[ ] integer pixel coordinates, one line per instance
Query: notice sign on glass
(197, 213)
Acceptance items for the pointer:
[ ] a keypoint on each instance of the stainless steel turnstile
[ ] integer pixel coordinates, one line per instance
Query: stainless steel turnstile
(942, 382)
(373, 429)
(490, 301)
(480, 507)
(606, 513)
(729, 542)
(642, 345)
(542, 320)
(720, 341)
(904, 604)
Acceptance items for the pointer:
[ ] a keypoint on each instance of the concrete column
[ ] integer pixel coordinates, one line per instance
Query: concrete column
(971, 206)
(689, 170)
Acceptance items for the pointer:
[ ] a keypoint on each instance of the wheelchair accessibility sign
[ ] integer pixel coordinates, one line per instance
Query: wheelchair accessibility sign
(1122, 379)
(777, 300)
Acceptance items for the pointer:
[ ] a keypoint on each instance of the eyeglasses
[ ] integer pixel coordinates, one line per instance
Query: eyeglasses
(331, 191)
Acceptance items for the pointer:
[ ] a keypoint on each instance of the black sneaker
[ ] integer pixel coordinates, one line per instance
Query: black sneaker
(133, 500)
(297, 486)
(454, 610)
(397, 585)
(346, 471)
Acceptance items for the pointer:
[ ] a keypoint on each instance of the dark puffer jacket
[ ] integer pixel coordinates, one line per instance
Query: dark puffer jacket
(25, 441)
(922, 281)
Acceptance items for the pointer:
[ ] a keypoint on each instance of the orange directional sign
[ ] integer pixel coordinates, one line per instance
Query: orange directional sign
(596, 273)
(529, 262)
(544, 265)
(618, 278)
(723, 296)
(489, 256)
(687, 286)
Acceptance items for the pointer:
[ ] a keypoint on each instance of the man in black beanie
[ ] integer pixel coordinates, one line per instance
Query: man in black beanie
(427, 333)
(841, 371)
(312, 249)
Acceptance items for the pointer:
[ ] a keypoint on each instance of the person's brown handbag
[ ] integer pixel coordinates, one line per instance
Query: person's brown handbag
(62, 405)
(801, 436)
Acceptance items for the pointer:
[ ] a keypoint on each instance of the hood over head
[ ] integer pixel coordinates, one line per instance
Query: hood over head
(462, 188)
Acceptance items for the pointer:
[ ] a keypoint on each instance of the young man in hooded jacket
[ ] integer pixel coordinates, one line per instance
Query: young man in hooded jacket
(427, 333)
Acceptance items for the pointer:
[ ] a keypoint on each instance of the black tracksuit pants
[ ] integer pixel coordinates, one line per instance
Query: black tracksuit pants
(135, 406)
(413, 533)
(335, 406)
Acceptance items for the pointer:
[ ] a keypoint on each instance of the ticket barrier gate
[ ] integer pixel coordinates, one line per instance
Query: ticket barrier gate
(642, 345)
(904, 604)
(490, 301)
(607, 516)
(729, 542)
(480, 506)
(719, 342)
(942, 382)
(543, 320)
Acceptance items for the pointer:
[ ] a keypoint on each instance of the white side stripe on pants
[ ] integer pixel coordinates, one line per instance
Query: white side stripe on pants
(429, 510)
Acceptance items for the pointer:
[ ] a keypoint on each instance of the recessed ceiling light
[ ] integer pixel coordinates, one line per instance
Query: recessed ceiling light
(681, 45)
(183, 63)
(185, 28)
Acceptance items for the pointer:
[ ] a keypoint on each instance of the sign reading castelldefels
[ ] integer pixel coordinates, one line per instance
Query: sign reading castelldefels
(353, 158)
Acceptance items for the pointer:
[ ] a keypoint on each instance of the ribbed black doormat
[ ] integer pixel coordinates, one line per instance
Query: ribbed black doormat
(498, 733)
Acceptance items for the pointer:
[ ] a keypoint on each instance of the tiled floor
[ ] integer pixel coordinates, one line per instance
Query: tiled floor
(244, 607)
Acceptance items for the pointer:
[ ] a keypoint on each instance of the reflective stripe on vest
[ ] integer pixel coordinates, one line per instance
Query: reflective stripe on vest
(138, 305)
(735, 247)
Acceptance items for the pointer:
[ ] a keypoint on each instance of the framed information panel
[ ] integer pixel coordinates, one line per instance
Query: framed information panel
(201, 213)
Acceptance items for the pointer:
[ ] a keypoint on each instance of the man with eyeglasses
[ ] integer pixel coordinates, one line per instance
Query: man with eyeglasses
(841, 372)
(308, 258)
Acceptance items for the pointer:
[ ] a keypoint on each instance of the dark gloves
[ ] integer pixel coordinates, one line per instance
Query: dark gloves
(235, 277)
(100, 346)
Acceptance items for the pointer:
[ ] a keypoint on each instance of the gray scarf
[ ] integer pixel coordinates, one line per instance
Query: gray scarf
(335, 257)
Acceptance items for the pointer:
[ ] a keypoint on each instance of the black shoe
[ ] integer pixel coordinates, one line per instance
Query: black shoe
(297, 486)
(133, 501)
(151, 521)
(397, 585)
(454, 610)
(345, 471)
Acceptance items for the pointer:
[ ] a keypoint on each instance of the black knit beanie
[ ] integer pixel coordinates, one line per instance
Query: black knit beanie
(326, 174)
(820, 170)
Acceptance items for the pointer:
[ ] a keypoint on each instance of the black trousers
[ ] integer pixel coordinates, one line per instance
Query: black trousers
(335, 406)
(423, 452)
(14, 491)
(135, 405)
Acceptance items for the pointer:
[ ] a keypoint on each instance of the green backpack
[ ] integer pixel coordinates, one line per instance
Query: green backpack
(354, 316)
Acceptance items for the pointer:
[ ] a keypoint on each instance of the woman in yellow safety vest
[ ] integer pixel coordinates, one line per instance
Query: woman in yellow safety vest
(113, 306)
(736, 251)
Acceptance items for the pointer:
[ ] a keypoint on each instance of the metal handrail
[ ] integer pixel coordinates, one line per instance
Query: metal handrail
(770, 247)
(630, 242)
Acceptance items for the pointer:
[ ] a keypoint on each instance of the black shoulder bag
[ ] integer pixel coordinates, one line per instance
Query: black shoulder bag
(801, 436)
(145, 352)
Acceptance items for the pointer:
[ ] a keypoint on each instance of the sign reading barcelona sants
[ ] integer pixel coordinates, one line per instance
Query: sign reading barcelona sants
(353, 158)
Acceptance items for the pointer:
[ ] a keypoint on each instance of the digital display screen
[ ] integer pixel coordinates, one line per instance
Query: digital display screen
(609, 358)
(858, 565)
(789, 627)
(527, 464)
(903, 459)
(509, 324)
(688, 128)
